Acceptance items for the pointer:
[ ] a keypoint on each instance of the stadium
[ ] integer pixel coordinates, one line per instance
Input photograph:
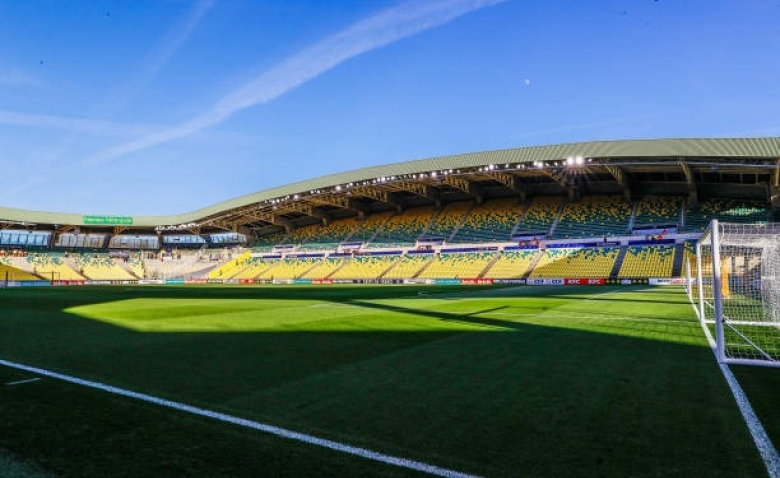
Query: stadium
(521, 312)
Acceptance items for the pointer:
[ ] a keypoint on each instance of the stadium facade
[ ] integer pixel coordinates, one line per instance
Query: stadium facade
(576, 193)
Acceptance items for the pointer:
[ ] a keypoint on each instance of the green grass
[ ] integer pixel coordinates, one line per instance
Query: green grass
(12, 466)
(537, 382)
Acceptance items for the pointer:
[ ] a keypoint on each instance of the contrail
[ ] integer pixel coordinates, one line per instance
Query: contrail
(171, 42)
(368, 34)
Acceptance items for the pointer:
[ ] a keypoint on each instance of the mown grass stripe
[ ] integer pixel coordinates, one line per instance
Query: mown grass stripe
(766, 448)
(273, 430)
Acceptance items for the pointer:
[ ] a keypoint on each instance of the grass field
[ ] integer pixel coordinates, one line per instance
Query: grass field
(529, 381)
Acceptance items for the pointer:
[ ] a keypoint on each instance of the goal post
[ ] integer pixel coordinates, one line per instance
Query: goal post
(736, 286)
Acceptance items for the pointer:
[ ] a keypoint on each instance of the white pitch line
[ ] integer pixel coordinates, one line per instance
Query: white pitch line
(19, 382)
(263, 427)
(763, 443)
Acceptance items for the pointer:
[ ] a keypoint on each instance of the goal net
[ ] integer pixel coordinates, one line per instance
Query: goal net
(736, 283)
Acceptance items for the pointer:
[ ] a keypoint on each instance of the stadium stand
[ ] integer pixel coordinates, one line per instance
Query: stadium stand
(594, 216)
(448, 220)
(365, 267)
(9, 271)
(405, 228)
(14, 274)
(513, 264)
(648, 261)
(490, 222)
(329, 237)
(540, 216)
(408, 266)
(697, 217)
(136, 266)
(255, 268)
(100, 266)
(233, 266)
(457, 265)
(586, 262)
(52, 266)
(302, 234)
(658, 211)
(324, 268)
(267, 242)
(689, 257)
(291, 268)
(181, 265)
(370, 227)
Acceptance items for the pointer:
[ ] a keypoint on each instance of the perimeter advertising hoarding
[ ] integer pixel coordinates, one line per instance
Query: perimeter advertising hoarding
(668, 281)
(544, 282)
(585, 281)
(24, 283)
(509, 281)
(68, 282)
(476, 281)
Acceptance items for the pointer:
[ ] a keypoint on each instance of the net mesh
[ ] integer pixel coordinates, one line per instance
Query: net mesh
(749, 270)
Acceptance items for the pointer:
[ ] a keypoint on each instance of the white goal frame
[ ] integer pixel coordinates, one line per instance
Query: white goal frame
(737, 290)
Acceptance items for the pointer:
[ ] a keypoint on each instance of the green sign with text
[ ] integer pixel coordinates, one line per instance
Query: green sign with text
(108, 220)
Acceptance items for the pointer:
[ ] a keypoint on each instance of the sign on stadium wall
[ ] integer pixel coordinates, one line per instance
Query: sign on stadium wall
(107, 220)
(509, 281)
(195, 280)
(68, 282)
(443, 281)
(667, 281)
(627, 281)
(25, 283)
(537, 281)
(477, 281)
(585, 281)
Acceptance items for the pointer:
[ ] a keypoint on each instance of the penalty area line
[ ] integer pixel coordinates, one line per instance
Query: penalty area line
(262, 427)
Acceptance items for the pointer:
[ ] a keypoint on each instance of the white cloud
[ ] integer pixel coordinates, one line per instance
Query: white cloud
(73, 125)
(368, 34)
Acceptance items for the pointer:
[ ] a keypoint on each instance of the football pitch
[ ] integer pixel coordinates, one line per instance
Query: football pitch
(494, 382)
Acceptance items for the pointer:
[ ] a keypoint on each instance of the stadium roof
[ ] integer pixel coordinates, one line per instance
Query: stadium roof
(741, 166)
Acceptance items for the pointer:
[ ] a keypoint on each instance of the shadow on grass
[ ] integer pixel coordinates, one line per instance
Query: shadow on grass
(524, 399)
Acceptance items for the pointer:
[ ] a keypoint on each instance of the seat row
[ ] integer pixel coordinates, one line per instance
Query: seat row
(498, 220)
(626, 261)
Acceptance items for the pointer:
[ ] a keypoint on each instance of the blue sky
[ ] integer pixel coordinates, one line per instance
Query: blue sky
(164, 106)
